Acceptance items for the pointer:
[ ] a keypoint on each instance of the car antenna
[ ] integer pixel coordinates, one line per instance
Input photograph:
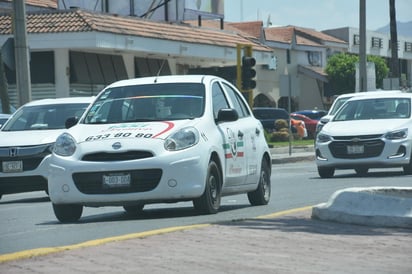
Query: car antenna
(160, 69)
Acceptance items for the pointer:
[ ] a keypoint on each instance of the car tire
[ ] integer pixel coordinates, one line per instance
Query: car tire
(361, 171)
(326, 172)
(134, 209)
(407, 169)
(261, 195)
(67, 213)
(209, 202)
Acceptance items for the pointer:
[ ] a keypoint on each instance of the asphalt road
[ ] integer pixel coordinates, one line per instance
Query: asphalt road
(27, 220)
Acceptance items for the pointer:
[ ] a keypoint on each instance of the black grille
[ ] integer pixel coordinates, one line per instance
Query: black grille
(117, 156)
(31, 155)
(372, 148)
(361, 137)
(141, 180)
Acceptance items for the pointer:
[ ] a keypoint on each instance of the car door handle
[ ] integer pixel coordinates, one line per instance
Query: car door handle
(257, 131)
(239, 134)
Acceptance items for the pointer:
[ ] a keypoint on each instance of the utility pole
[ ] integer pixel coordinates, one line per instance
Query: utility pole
(363, 85)
(394, 63)
(21, 48)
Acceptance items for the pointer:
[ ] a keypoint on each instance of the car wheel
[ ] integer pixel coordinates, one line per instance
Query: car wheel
(407, 169)
(134, 209)
(362, 171)
(261, 195)
(209, 202)
(326, 172)
(67, 213)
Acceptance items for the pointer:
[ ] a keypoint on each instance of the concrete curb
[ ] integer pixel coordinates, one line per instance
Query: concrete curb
(280, 155)
(374, 206)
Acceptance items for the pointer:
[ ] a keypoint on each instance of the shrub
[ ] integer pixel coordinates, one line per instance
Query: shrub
(280, 124)
(279, 136)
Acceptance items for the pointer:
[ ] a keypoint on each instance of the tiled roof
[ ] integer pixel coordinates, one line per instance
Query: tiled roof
(304, 36)
(40, 3)
(254, 28)
(77, 20)
(250, 30)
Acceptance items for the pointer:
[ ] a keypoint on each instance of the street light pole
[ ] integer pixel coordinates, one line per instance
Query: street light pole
(363, 85)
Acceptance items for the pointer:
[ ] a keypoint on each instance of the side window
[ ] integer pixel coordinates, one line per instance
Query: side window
(219, 99)
(239, 104)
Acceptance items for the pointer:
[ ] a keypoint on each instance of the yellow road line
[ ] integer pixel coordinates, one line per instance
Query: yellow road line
(49, 250)
(285, 212)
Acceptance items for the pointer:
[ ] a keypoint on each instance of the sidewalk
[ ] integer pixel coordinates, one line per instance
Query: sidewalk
(282, 155)
(289, 243)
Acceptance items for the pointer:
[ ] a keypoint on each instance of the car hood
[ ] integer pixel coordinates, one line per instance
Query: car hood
(364, 127)
(147, 130)
(28, 137)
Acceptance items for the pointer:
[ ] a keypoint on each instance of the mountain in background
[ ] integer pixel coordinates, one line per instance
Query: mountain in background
(403, 28)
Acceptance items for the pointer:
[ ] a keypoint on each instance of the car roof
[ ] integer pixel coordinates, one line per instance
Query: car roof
(166, 79)
(370, 92)
(65, 100)
(382, 95)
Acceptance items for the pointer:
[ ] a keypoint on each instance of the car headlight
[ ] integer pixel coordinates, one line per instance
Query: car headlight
(397, 134)
(65, 145)
(323, 138)
(184, 138)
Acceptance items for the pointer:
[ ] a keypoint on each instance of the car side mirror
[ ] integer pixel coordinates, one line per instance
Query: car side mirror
(227, 115)
(324, 120)
(71, 121)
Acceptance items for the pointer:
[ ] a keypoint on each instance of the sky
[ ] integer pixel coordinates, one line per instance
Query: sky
(317, 14)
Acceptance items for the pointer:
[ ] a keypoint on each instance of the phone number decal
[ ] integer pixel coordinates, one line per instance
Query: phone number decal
(118, 135)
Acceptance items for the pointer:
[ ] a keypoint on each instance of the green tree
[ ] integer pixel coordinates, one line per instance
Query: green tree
(341, 70)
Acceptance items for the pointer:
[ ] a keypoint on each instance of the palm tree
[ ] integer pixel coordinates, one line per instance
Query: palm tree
(394, 62)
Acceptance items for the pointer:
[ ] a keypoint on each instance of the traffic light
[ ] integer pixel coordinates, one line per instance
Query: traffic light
(248, 73)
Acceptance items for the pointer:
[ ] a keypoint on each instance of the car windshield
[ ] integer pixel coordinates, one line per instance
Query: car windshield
(43, 117)
(376, 108)
(152, 102)
(339, 102)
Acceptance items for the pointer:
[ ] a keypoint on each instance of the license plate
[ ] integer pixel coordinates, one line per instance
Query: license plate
(13, 166)
(356, 149)
(117, 180)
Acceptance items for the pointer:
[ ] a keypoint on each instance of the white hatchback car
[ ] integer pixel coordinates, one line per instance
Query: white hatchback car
(161, 139)
(27, 138)
(370, 131)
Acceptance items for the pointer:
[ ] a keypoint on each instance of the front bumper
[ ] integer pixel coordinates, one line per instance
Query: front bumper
(170, 177)
(374, 153)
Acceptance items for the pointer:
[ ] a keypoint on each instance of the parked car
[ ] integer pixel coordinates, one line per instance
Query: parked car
(269, 115)
(3, 118)
(161, 139)
(27, 139)
(370, 131)
(310, 124)
(314, 114)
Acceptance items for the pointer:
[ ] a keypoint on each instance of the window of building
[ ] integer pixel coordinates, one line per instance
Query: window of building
(408, 46)
(41, 68)
(93, 68)
(315, 58)
(151, 67)
(377, 42)
(356, 39)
